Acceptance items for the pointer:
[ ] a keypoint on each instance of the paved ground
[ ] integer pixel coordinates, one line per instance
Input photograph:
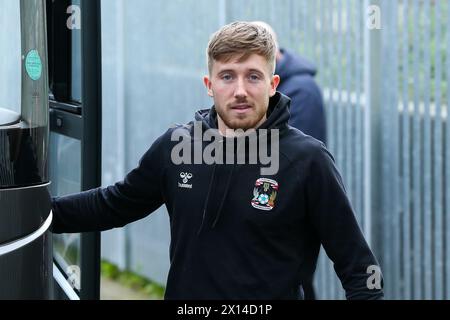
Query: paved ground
(110, 290)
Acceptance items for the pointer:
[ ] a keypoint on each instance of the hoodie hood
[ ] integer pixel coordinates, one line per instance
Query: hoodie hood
(221, 176)
(292, 65)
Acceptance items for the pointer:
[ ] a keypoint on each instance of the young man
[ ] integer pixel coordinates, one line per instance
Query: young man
(237, 233)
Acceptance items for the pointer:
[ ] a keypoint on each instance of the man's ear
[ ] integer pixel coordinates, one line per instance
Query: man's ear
(274, 84)
(207, 83)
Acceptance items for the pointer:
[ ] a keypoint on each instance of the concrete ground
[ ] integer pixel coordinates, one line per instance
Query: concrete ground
(111, 290)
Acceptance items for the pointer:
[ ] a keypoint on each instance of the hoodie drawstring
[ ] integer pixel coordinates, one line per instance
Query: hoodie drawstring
(205, 207)
(224, 196)
(222, 202)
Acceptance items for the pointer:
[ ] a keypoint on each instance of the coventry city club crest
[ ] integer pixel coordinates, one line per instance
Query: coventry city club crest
(264, 194)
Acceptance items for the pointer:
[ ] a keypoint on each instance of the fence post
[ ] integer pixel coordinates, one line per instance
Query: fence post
(372, 128)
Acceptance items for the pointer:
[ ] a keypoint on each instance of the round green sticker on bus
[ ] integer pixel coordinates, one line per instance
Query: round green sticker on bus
(33, 65)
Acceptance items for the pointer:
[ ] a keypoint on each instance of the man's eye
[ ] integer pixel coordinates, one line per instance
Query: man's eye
(227, 77)
(254, 77)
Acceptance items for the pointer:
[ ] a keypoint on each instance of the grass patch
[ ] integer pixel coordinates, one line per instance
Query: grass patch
(132, 280)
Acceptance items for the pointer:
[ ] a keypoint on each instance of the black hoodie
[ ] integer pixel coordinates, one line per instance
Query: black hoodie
(234, 233)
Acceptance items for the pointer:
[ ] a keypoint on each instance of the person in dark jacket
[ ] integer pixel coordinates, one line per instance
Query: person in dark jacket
(297, 82)
(240, 229)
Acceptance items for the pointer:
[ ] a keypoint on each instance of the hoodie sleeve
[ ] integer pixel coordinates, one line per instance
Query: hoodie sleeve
(333, 218)
(138, 195)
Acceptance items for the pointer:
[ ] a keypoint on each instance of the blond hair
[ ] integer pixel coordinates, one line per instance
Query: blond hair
(271, 30)
(242, 39)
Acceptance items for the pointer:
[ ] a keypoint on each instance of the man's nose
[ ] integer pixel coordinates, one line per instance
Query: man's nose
(240, 90)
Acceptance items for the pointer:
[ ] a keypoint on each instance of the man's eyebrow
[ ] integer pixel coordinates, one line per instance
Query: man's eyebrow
(232, 71)
(225, 71)
(256, 70)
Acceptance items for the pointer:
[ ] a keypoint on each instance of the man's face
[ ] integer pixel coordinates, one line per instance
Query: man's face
(241, 91)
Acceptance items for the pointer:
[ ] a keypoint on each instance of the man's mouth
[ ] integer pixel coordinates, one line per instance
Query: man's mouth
(241, 108)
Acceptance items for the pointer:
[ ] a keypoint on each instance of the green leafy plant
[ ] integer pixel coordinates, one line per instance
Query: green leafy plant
(132, 280)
